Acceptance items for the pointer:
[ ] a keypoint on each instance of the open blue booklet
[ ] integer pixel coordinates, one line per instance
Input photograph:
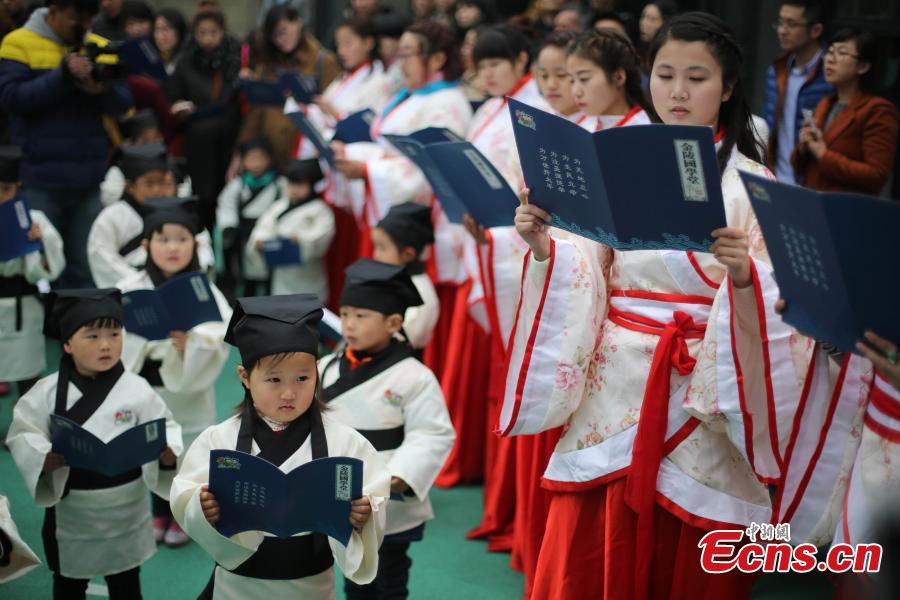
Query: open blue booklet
(255, 495)
(834, 259)
(282, 252)
(646, 187)
(330, 327)
(313, 134)
(461, 177)
(15, 222)
(355, 127)
(129, 450)
(179, 304)
(261, 92)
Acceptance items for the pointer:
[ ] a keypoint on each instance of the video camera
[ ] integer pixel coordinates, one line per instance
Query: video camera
(106, 56)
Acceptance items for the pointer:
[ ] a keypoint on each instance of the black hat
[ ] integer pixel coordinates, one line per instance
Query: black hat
(409, 224)
(303, 171)
(138, 123)
(266, 325)
(374, 285)
(10, 159)
(138, 159)
(66, 311)
(168, 209)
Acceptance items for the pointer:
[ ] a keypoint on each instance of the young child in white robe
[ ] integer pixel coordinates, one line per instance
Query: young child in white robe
(21, 311)
(184, 367)
(114, 241)
(376, 385)
(282, 421)
(244, 200)
(94, 525)
(400, 239)
(139, 128)
(305, 219)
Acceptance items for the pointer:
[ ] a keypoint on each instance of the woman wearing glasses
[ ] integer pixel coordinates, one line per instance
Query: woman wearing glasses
(849, 144)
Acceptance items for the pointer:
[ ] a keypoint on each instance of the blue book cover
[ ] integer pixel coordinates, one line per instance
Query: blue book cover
(834, 291)
(356, 127)
(415, 150)
(461, 177)
(129, 450)
(646, 187)
(255, 495)
(314, 135)
(15, 222)
(179, 304)
(281, 252)
(303, 88)
(142, 58)
(263, 93)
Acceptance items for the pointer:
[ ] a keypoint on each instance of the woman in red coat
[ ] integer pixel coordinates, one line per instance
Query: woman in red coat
(851, 145)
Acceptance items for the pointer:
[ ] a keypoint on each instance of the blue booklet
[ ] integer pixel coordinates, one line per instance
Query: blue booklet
(262, 92)
(282, 251)
(255, 495)
(461, 177)
(356, 127)
(142, 58)
(15, 222)
(179, 304)
(303, 88)
(314, 135)
(834, 259)
(129, 450)
(646, 187)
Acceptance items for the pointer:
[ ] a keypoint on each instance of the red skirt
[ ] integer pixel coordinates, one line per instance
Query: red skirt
(588, 552)
(532, 501)
(464, 381)
(498, 516)
(344, 251)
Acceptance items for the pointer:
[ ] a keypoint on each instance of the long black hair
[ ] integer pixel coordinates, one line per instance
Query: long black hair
(734, 115)
(611, 51)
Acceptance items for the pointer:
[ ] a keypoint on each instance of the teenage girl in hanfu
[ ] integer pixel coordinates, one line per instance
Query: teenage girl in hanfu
(670, 370)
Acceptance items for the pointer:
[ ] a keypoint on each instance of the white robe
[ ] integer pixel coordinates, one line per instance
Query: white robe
(406, 395)
(841, 472)
(189, 379)
(115, 226)
(419, 321)
(99, 532)
(312, 226)
(573, 362)
(390, 177)
(229, 213)
(358, 560)
(23, 350)
(21, 558)
(366, 87)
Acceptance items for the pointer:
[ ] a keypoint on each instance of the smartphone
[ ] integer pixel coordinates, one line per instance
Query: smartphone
(809, 118)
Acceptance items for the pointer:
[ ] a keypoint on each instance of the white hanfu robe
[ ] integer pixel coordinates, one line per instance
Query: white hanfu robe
(17, 558)
(358, 560)
(311, 225)
(390, 177)
(99, 531)
(590, 323)
(419, 321)
(239, 208)
(841, 472)
(399, 400)
(366, 87)
(189, 379)
(22, 343)
(114, 244)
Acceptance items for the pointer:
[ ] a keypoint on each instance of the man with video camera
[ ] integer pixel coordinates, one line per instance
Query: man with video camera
(57, 96)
